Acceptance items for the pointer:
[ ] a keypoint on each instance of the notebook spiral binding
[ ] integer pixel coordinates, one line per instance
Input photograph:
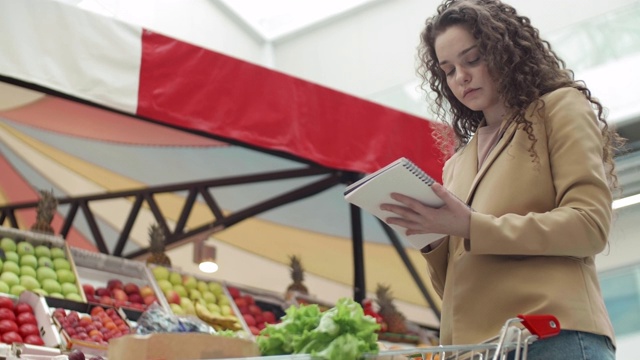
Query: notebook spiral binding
(419, 173)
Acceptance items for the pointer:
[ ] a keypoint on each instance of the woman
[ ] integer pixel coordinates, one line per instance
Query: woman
(534, 165)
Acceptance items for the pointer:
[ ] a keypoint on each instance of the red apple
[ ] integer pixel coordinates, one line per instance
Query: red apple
(240, 302)
(119, 294)
(249, 299)
(249, 319)
(22, 307)
(254, 330)
(149, 299)
(106, 300)
(136, 298)
(102, 292)
(234, 292)
(173, 297)
(114, 284)
(146, 291)
(255, 310)
(131, 288)
(89, 290)
(269, 317)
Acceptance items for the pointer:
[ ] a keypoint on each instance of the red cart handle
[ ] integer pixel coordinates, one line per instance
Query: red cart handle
(543, 326)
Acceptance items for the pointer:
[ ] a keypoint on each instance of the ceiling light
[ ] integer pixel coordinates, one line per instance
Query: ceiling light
(629, 200)
(205, 256)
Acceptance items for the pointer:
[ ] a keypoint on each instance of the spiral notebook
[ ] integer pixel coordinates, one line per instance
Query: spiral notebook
(401, 176)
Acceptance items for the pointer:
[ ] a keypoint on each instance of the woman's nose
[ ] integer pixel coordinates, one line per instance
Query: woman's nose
(462, 76)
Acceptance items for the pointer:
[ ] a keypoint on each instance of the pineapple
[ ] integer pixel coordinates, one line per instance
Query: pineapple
(157, 247)
(47, 206)
(396, 322)
(297, 275)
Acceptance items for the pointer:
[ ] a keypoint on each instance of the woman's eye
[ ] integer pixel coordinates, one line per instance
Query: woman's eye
(474, 60)
(450, 72)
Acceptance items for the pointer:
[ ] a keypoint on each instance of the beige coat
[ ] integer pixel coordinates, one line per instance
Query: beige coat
(536, 229)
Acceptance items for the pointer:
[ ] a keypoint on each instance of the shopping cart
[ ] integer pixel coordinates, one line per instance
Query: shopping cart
(515, 336)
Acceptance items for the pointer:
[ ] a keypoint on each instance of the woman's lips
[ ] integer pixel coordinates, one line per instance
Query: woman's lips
(468, 91)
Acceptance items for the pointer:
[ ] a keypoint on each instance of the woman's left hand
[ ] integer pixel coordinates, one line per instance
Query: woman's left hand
(453, 218)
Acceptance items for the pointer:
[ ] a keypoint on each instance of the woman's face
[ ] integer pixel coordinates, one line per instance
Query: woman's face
(467, 73)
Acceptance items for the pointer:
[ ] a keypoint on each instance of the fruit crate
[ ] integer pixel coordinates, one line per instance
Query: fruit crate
(114, 281)
(40, 311)
(258, 307)
(111, 324)
(47, 251)
(219, 310)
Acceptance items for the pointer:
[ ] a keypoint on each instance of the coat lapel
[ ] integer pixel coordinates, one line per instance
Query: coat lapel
(500, 146)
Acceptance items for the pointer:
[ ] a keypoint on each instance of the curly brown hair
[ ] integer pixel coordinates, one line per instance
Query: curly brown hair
(523, 65)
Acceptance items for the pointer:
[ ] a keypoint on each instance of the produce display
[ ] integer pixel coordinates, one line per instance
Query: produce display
(256, 314)
(18, 323)
(342, 332)
(118, 294)
(41, 268)
(93, 329)
(189, 295)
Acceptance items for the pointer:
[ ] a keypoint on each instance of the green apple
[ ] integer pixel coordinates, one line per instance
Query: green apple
(12, 256)
(209, 297)
(165, 285)
(17, 290)
(180, 290)
(74, 297)
(56, 295)
(11, 267)
(160, 273)
(175, 278)
(51, 286)
(214, 308)
(27, 270)
(10, 278)
(43, 273)
(225, 309)
(58, 253)
(42, 251)
(40, 292)
(60, 263)
(202, 286)
(223, 300)
(194, 294)
(215, 288)
(24, 248)
(45, 262)
(4, 288)
(188, 306)
(189, 282)
(177, 309)
(68, 288)
(8, 244)
(29, 282)
(66, 276)
(29, 260)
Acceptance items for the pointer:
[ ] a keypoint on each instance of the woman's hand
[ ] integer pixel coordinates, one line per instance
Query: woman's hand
(453, 218)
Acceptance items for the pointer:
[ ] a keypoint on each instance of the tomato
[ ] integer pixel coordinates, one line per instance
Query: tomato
(26, 318)
(6, 302)
(23, 307)
(11, 337)
(28, 329)
(8, 326)
(6, 314)
(33, 340)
